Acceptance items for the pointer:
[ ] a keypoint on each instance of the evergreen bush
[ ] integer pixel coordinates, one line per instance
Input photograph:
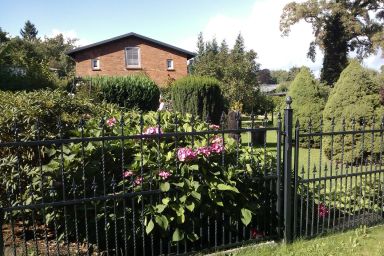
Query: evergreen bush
(354, 97)
(198, 95)
(134, 91)
(308, 101)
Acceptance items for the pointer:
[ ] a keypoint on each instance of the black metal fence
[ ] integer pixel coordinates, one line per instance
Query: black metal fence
(181, 187)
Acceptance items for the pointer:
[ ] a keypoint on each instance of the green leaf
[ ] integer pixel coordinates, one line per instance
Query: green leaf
(178, 235)
(162, 221)
(165, 186)
(194, 167)
(190, 206)
(227, 187)
(160, 208)
(196, 195)
(179, 184)
(192, 237)
(149, 227)
(165, 200)
(246, 216)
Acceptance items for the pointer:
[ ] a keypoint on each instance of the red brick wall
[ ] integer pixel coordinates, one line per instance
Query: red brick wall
(112, 60)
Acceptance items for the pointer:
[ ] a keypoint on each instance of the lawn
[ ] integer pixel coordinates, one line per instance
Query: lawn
(362, 241)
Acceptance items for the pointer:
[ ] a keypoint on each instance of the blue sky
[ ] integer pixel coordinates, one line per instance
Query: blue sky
(174, 22)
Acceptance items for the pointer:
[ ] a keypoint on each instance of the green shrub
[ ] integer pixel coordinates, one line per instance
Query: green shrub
(198, 95)
(355, 96)
(193, 190)
(135, 91)
(308, 101)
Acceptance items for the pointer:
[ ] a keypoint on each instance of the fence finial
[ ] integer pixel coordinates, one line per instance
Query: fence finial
(288, 100)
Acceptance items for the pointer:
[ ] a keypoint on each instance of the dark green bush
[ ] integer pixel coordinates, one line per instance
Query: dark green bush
(355, 96)
(308, 101)
(135, 91)
(198, 95)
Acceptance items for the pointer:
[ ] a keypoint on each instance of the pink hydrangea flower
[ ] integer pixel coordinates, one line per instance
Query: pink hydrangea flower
(217, 140)
(205, 151)
(138, 181)
(214, 127)
(256, 233)
(127, 173)
(153, 130)
(186, 154)
(217, 148)
(322, 210)
(164, 174)
(111, 121)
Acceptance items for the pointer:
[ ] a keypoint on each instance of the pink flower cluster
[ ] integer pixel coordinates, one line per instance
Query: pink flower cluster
(256, 233)
(129, 173)
(111, 121)
(214, 127)
(188, 154)
(322, 210)
(164, 175)
(153, 130)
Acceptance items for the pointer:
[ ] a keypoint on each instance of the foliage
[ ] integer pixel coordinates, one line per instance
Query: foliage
(344, 26)
(189, 171)
(235, 68)
(264, 77)
(281, 76)
(354, 97)
(135, 91)
(308, 101)
(283, 87)
(3, 36)
(23, 67)
(198, 95)
(29, 32)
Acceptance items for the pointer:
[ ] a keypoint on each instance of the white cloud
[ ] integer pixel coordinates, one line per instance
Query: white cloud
(261, 33)
(70, 34)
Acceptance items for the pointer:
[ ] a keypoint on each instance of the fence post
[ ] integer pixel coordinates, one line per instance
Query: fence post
(1, 233)
(288, 125)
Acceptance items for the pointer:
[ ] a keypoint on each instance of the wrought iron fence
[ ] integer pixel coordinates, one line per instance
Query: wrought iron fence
(168, 188)
(169, 185)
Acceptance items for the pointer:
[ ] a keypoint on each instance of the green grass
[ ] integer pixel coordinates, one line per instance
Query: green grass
(362, 241)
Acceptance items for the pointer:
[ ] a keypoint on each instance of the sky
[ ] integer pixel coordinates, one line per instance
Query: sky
(177, 22)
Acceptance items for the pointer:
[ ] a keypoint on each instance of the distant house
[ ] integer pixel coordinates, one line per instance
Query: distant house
(132, 53)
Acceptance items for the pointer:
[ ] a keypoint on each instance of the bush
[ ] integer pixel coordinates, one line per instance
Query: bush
(135, 91)
(308, 101)
(196, 185)
(198, 95)
(355, 96)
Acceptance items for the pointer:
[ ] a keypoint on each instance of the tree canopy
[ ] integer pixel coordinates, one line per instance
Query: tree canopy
(235, 68)
(339, 27)
(29, 32)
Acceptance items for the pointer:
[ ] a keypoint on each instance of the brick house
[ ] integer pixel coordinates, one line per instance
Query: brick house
(132, 53)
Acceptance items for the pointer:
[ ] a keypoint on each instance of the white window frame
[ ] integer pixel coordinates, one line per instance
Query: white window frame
(98, 64)
(138, 56)
(172, 67)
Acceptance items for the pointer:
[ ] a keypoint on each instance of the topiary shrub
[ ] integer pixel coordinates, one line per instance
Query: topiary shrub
(354, 97)
(308, 101)
(135, 91)
(198, 95)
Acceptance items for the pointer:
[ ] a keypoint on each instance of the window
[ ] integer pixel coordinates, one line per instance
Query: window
(132, 57)
(170, 64)
(95, 64)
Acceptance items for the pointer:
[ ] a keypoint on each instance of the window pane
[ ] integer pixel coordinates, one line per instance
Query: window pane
(132, 56)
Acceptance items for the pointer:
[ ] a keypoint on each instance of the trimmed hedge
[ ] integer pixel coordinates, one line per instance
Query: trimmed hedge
(198, 95)
(308, 101)
(355, 96)
(134, 91)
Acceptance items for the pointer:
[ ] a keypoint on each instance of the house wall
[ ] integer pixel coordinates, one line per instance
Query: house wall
(112, 60)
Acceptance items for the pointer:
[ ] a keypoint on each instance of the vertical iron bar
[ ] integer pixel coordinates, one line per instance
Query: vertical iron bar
(278, 182)
(296, 171)
(288, 171)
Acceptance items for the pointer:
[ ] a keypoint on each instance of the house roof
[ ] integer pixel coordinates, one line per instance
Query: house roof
(82, 48)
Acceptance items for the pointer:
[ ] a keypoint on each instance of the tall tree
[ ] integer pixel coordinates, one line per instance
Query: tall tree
(236, 69)
(339, 27)
(3, 36)
(29, 32)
